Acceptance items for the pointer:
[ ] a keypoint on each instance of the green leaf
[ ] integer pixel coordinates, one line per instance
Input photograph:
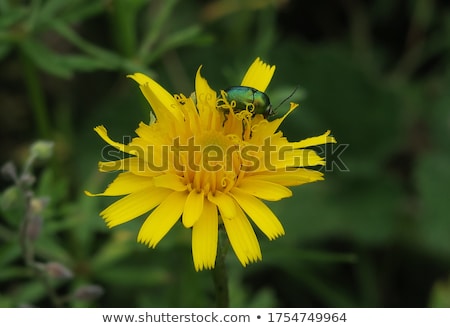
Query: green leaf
(440, 294)
(13, 273)
(46, 59)
(124, 14)
(113, 251)
(52, 8)
(110, 59)
(432, 176)
(9, 253)
(12, 205)
(86, 10)
(13, 16)
(186, 36)
(86, 63)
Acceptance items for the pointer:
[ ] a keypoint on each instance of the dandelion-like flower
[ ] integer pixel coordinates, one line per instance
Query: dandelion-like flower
(210, 163)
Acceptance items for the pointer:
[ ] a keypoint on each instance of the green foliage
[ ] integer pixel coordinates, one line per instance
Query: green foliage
(375, 233)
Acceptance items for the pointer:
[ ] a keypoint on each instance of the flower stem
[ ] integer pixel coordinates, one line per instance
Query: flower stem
(220, 272)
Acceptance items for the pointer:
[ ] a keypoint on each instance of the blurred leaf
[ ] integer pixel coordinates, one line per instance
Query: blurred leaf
(86, 10)
(187, 36)
(440, 295)
(52, 8)
(113, 251)
(110, 59)
(6, 302)
(153, 32)
(124, 15)
(85, 63)
(432, 174)
(12, 16)
(264, 298)
(52, 248)
(12, 273)
(53, 186)
(134, 276)
(28, 293)
(10, 252)
(13, 205)
(46, 59)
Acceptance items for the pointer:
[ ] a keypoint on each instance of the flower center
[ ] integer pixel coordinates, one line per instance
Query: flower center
(212, 163)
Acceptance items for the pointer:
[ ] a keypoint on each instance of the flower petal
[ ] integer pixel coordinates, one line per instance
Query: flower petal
(258, 75)
(193, 208)
(133, 205)
(125, 183)
(133, 164)
(314, 141)
(242, 238)
(265, 128)
(225, 203)
(159, 99)
(103, 133)
(259, 213)
(205, 238)
(264, 189)
(290, 177)
(162, 219)
(206, 101)
(170, 181)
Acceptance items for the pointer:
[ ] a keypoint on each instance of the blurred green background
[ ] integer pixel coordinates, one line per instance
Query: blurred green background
(375, 233)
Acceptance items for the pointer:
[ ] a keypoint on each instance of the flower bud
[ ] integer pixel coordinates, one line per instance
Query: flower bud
(9, 171)
(27, 180)
(57, 270)
(38, 204)
(42, 149)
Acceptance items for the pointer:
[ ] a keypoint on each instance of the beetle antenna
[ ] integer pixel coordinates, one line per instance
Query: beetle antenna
(286, 99)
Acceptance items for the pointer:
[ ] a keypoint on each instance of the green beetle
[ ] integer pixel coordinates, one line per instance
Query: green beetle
(251, 99)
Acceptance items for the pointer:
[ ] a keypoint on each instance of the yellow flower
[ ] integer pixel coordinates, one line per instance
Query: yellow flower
(209, 163)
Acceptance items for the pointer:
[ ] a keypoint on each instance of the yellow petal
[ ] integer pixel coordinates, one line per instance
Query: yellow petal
(162, 219)
(242, 238)
(170, 181)
(205, 238)
(259, 213)
(159, 99)
(103, 133)
(125, 183)
(264, 189)
(258, 75)
(267, 128)
(133, 164)
(193, 208)
(133, 205)
(288, 177)
(225, 203)
(314, 141)
(206, 101)
(153, 134)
